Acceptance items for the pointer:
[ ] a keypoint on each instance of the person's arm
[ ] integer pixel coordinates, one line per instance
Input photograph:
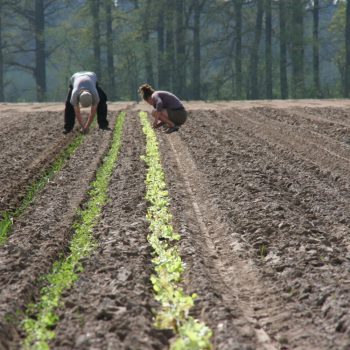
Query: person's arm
(158, 108)
(78, 115)
(91, 117)
(156, 118)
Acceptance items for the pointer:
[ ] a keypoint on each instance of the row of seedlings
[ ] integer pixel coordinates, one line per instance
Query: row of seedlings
(168, 266)
(41, 317)
(7, 218)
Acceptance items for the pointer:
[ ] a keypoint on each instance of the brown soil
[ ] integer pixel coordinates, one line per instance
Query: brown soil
(259, 193)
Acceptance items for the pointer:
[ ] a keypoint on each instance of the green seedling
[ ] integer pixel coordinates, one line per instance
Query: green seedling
(168, 266)
(5, 226)
(42, 317)
(8, 217)
(262, 251)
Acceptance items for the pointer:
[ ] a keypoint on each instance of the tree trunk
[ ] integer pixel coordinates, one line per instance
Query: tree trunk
(169, 45)
(268, 50)
(40, 59)
(94, 10)
(297, 35)
(254, 58)
(180, 77)
(316, 46)
(2, 86)
(196, 74)
(169, 63)
(347, 48)
(238, 47)
(146, 44)
(110, 58)
(132, 73)
(162, 72)
(283, 50)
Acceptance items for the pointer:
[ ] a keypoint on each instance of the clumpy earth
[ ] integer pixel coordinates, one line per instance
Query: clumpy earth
(259, 193)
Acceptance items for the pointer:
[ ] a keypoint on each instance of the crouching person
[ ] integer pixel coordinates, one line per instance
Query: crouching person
(168, 109)
(85, 92)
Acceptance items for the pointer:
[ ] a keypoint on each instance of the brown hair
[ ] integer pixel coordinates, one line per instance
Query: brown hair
(146, 91)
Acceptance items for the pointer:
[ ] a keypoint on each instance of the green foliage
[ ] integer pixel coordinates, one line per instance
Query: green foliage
(5, 226)
(42, 317)
(168, 266)
(141, 41)
(337, 29)
(337, 24)
(193, 336)
(262, 251)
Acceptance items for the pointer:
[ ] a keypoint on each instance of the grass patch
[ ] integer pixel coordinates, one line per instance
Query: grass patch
(262, 251)
(8, 217)
(168, 266)
(42, 318)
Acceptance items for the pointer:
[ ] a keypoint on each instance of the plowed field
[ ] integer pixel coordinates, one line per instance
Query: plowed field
(259, 193)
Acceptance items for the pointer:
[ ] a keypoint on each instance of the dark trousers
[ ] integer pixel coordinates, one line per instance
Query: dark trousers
(69, 114)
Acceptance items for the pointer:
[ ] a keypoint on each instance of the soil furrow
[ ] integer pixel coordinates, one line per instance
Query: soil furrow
(43, 233)
(244, 290)
(259, 193)
(252, 191)
(222, 300)
(320, 121)
(23, 158)
(110, 305)
(308, 145)
(325, 137)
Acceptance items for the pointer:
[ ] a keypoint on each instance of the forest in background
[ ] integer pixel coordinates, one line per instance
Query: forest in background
(198, 49)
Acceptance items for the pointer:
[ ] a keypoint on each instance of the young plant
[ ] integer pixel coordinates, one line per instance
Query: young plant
(41, 317)
(7, 218)
(168, 266)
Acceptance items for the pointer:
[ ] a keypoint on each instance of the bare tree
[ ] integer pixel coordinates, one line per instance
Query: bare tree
(169, 44)
(268, 49)
(180, 76)
(238, 46)
(2, 94)
(316, 48)
(297, 47)
(40, 54)
(196, 71)
(30, 25)
(347, 50)
(145, 34)
(162, 72)
(35, 16)
(254, 55)
(283, 49)
(95, 15)
(110, 54)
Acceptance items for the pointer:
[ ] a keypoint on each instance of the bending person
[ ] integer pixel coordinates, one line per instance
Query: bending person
(84, 92)
(168, 109)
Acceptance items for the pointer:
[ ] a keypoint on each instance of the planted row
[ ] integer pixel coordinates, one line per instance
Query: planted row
(7, 218)
(168, 266)
(42, 316)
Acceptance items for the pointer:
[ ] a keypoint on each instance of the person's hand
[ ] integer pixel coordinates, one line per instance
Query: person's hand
(84, 130)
